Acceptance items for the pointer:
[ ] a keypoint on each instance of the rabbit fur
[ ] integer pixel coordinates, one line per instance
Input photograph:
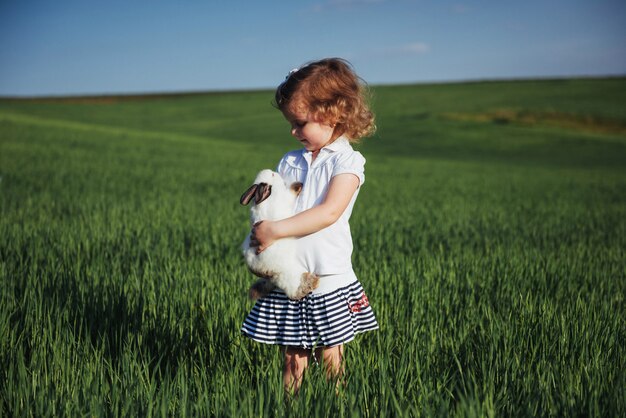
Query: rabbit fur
(277, 265)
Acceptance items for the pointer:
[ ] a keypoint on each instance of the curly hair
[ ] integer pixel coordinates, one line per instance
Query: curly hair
(331, 91)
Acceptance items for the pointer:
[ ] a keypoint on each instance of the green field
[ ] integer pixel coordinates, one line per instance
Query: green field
(490, 235)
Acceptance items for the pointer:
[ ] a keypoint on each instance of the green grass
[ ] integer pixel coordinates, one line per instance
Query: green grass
(492, 252)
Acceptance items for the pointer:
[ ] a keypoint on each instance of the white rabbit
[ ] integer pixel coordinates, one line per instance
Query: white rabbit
(277, 265)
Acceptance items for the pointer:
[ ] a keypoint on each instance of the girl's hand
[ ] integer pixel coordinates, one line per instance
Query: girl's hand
(262, 235)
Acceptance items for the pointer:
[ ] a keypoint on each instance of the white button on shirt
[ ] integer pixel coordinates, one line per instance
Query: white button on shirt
(329, 250)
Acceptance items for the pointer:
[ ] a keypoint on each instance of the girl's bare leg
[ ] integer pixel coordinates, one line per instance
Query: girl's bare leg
(332, 359)
(296, 362)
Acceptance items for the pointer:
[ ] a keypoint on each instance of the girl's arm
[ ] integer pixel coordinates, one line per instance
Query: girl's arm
(340, 191)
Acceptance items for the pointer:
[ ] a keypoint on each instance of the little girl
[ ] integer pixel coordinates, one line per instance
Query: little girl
(324, 103)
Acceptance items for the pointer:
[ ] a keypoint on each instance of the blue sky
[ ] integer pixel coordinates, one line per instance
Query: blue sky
(68, 47)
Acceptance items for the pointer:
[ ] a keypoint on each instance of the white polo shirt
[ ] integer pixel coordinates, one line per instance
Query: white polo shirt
(328, 251)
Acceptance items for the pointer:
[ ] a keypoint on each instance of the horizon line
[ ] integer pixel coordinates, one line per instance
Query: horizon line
(184, 93)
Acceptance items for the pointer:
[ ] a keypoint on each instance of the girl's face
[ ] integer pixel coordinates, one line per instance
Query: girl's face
(312, 134)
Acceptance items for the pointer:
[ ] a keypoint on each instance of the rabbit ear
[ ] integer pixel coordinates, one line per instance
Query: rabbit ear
(245, 198)
(296, 187)
(262, 192)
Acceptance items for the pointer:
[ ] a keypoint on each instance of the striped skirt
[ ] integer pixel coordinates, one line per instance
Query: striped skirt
(317, 320)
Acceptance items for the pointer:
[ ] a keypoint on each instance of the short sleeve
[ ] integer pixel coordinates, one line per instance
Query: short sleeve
(288, 167)
(287, 161)
(353, 163)
(280, 168)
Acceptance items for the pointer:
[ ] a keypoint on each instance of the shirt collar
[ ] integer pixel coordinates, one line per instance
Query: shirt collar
(337, 145)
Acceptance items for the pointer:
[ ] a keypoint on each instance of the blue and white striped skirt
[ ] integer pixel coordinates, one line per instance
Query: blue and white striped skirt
(317, 320)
